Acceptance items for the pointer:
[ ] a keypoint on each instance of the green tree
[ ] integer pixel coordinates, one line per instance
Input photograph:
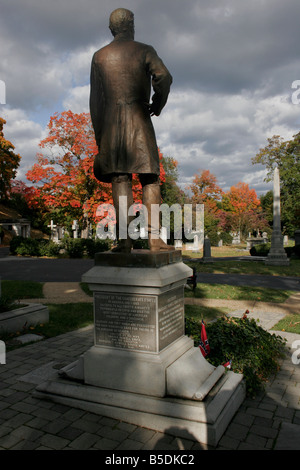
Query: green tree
(170, 191)
(266, 202)
(286, 156)
(9, 163)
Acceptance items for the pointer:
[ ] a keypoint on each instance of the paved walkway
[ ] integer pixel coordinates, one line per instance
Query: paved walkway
(63, 292)
(68, 292)
(270, 421)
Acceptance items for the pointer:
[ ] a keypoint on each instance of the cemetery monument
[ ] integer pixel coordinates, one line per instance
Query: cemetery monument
(277, 255)
(142, 368)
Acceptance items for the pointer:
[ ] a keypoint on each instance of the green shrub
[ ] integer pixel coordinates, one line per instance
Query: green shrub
(260, 250)
(263, 250)
(33, 247)
(49, 248)
(214, 238)
(254, 352)
(28, 247)
(5, 304)
(96, 246)
(74, 247)
(14, 243)
(226, 237)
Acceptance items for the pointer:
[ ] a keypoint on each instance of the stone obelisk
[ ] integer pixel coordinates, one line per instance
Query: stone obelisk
(277, 255)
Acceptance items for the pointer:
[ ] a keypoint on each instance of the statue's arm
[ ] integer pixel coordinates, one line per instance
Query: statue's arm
(161, 81)
(96, 101)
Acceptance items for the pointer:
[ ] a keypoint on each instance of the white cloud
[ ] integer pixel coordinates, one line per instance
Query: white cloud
(25, 135)
(232, 64)
(222, 133)
(77, 99)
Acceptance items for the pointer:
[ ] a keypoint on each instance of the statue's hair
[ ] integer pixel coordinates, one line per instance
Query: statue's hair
(121, 20)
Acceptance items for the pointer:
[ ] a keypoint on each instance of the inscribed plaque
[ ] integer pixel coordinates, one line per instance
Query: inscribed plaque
(170, 317)
(126, 321)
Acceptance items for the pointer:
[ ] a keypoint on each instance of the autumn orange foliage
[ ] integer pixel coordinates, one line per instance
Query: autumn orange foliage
(242, 206)
(63, 178)
(206, 191)
(9, 163)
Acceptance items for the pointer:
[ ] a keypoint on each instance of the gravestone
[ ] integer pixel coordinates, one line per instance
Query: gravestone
(207, 258)
(75, 228)
(277, 255)
(236, 238)
(54, 232)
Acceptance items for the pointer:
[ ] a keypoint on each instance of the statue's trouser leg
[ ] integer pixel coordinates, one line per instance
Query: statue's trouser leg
(152, 201)
(122, 186)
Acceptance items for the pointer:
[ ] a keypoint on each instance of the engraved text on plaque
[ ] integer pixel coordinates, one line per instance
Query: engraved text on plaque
(126, 321)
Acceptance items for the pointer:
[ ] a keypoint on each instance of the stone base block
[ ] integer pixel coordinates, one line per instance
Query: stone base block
(277, 260)
(132, 371)
(202, 421)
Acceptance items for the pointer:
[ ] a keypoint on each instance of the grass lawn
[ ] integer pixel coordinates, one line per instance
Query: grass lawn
(22, 290)
(66, 317)
(290, 323)
(225, 291)
(207, 314)
(84, 286)
(237, 267)
(220, 251)
(62, 319)
(244, 267)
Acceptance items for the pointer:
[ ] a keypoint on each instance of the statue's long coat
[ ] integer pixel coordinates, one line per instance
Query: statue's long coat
(121, 76)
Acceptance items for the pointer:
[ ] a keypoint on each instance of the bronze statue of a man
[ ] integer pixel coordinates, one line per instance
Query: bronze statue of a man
(121, 77)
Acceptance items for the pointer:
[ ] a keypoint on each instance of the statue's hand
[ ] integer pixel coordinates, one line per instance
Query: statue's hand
(155, 109)
(150, 108)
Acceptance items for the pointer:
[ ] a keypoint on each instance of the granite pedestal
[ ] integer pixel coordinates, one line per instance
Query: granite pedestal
(277, 255)
(142, 367)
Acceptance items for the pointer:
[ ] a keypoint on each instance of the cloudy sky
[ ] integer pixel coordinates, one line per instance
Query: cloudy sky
(233, 64)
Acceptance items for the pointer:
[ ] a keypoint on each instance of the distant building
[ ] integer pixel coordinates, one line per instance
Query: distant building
(13, 223)
(19, 227)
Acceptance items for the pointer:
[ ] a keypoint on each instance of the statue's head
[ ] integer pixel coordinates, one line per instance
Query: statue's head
(121, 21)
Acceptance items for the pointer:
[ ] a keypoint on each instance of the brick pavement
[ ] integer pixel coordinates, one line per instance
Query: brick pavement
(29, 423)
(271, 420)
